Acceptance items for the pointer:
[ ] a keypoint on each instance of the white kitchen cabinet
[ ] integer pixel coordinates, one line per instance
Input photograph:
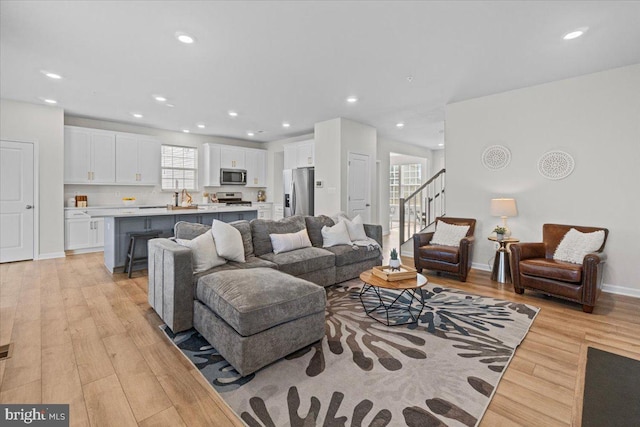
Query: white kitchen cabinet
(148, 161)
(137, 160)
(89, 156)
(305, 154)
(211, 165)
(82, 231)
(218, 157)
(278, 211)
(256, 164)
(76, 233)
(232, 157)
(299, 154)
(290, 156)
(265, 210)
(97, 232)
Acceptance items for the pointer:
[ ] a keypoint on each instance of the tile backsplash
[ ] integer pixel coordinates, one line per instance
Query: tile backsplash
(109, 195)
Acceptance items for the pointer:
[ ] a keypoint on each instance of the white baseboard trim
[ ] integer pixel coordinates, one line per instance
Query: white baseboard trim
(621, 290)
(84, 251)
(480, 266)
(51, 255)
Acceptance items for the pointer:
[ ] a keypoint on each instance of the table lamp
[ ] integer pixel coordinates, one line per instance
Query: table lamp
(504, 208)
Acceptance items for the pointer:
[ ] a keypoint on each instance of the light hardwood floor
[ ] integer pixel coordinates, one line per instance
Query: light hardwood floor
(86, 337)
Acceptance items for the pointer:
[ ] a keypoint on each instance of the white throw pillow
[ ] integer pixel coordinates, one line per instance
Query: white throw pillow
(290, 241)
(336, 235)
(575, 245)
(203, 252)
(355, 228)
(228, 241)
(449, 234)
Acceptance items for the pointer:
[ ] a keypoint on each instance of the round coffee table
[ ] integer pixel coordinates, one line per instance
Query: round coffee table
(391, 309)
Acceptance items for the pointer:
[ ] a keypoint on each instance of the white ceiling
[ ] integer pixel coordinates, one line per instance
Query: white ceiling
(298, 61)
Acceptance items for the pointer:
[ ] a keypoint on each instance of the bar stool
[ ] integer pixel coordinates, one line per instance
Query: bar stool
(143, 236)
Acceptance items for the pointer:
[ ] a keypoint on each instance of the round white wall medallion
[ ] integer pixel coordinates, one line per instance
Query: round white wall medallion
(556, 165)
(496, 157)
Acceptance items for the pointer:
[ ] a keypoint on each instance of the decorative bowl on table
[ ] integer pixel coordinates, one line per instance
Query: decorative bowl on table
(128, 201)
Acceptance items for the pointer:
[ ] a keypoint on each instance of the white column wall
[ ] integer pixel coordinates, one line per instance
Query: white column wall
(44, 126)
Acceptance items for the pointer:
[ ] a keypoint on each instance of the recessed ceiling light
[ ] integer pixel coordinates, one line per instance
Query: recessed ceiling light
(51, 75)
(400, 125)
(200, 125)
(137, 115)
(286, 125)
(352, 99)
(250, 133)
(575, 33)
(169, 105)
(50, 101)
(186, 130)
(233, 114)
(159, 98)
(441, 145)
(185, 38)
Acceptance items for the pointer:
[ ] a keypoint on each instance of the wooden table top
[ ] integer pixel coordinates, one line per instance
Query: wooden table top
(369, 278)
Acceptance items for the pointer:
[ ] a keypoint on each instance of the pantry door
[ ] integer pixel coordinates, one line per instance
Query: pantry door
(359, 187)
(16, 201)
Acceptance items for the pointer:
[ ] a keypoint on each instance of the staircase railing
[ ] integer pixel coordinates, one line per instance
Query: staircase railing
(422, 207)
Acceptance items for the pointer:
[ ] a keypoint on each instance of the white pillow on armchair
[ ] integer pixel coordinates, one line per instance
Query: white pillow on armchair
(449, 234)
(575, 245)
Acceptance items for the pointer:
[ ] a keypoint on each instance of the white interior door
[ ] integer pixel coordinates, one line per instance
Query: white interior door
(16, 201)
(359, 178)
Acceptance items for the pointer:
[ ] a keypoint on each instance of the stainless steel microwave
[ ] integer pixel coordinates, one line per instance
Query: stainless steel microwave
(233, 177)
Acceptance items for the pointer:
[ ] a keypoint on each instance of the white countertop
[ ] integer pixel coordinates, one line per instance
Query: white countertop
(156, 211)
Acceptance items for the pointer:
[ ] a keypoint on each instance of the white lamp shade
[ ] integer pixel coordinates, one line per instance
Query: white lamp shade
(503, 207)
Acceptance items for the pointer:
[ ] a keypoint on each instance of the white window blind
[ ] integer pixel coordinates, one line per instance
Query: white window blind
(179, 167)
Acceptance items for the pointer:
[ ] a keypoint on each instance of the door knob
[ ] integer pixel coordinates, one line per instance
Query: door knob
(367, 205)
(29, 207)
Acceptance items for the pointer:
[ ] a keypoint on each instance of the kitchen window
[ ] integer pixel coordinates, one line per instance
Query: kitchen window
(179, 167)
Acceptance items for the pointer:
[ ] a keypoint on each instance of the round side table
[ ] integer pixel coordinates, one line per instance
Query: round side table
(501, 270)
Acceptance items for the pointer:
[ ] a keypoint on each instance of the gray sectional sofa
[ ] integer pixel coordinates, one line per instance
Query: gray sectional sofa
(255, 312)
(172, 283)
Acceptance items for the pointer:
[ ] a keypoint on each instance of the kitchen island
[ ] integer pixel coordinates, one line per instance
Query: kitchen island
(119, 224)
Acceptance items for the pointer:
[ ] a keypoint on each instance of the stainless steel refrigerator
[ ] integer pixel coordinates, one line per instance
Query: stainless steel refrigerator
(298, 191)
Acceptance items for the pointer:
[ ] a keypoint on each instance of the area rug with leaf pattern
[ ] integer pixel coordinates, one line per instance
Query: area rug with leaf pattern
(441, 371)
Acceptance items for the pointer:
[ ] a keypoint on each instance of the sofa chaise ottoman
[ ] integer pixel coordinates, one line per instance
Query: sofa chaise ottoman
(254, 317)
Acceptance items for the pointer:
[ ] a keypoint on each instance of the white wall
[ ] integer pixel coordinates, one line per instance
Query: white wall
(595, 118)
(386, 146)
(112, 194)
(327, 167)
(334, 140)
(42, 125)
(437, 161)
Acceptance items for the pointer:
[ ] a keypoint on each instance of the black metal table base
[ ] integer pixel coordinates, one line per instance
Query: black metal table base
(397, 309)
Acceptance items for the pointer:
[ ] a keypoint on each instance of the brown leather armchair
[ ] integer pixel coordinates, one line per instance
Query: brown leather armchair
(534, 268)
(448, 259)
